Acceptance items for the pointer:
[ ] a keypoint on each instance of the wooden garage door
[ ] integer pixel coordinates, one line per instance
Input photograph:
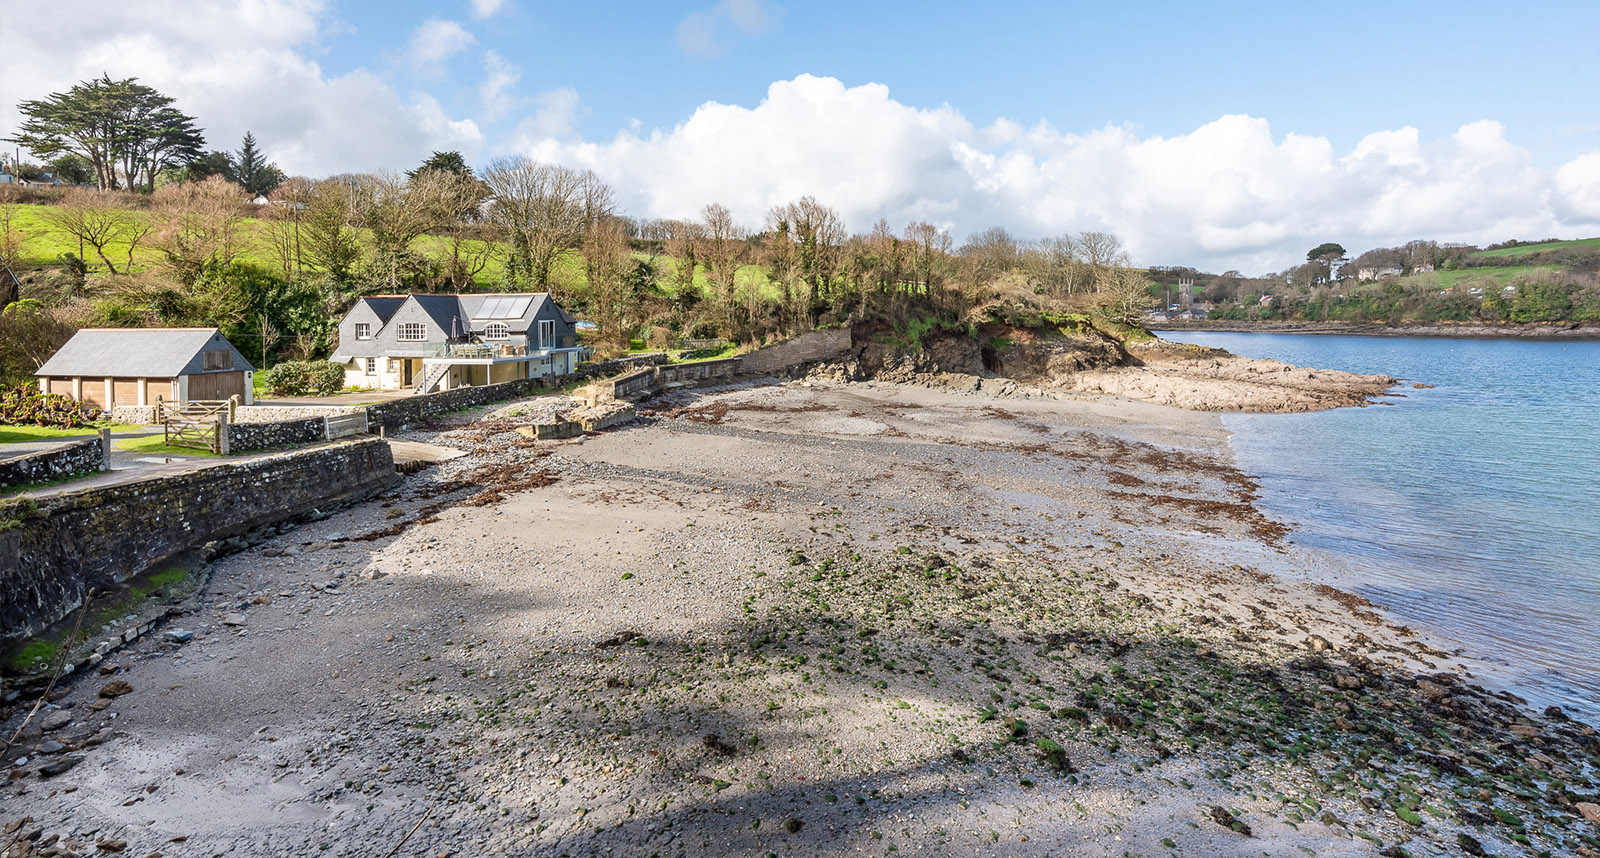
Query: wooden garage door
(216, 385)
(94, 392)
(125, 391)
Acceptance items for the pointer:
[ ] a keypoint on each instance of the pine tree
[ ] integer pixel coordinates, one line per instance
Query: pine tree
(252, 171)
(248, 163)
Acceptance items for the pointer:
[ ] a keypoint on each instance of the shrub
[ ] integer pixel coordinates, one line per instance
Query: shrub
(24, 405)
(305, 378)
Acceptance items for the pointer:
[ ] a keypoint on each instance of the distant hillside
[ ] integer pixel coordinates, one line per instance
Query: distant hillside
(1421, 283)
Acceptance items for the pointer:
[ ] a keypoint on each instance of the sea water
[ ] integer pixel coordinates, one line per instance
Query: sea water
(1470, 510)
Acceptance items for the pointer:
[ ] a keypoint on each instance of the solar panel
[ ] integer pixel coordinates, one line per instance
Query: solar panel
(504, 307)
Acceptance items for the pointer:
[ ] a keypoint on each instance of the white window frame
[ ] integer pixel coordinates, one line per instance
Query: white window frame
(372, 366)
(497, 331)
(421, 331)
(363, 330)
(547, 333)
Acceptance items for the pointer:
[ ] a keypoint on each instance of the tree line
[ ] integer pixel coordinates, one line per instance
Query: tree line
(169, 235)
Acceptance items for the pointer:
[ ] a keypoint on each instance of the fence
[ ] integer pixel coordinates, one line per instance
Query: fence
(197, 425)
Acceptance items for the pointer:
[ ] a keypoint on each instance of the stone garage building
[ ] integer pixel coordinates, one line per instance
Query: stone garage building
(110, 367)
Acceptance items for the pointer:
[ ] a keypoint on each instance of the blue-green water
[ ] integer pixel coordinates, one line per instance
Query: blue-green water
(1471, 510)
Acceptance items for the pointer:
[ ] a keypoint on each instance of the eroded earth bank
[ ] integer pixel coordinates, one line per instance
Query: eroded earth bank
(814, 618)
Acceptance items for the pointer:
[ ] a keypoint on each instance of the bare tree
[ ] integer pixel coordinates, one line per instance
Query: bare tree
(95, 218)
(930, 255)
(725, 249)
(331, 239)
(198, 226)
(542, 212)
(11, 242)
(285, 222)
(683, 245)
(804, 252)
(1102, 252)
(30, 332)
(612, 304)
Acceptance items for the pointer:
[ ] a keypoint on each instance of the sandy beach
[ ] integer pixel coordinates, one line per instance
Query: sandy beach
(808, 618)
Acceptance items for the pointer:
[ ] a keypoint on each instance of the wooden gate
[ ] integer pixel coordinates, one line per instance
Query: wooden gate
(196, 425)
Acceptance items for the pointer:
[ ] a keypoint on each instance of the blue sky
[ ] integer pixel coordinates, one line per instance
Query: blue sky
(1231, 136)
(1335, 72)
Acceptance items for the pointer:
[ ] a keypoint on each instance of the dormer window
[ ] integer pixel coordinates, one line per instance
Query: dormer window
(363, 330)
(497, 331)
(412, 332)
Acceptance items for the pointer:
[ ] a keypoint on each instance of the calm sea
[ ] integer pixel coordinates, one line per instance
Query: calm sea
(1471, 510)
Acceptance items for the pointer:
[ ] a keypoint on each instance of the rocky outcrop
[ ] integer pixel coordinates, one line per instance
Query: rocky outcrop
(1091, 362)
(1203, 379)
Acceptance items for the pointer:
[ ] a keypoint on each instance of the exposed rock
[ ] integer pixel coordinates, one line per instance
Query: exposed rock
(1588, 810)
(1431, 690)
(55, 720)
(115, 688)
(178, 635)
(60, 766)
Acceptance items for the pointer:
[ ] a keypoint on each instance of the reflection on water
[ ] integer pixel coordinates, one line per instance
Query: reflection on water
(1471, 509)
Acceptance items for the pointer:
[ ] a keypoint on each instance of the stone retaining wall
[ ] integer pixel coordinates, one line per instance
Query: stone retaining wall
(277, 413)
(399, 413)
(54, 549)
(699, 371)
(598, 369)
(243, 437)
(82, 457)
(813, 346)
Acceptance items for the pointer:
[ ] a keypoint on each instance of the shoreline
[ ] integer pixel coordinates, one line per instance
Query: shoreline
(810, 618)
(1542, 331)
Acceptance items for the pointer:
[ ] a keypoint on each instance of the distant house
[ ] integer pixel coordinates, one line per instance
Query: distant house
(1380, 273)
(439, 342)
(108, 367)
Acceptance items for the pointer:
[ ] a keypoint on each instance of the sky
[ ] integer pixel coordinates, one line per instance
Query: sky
(1223, 136)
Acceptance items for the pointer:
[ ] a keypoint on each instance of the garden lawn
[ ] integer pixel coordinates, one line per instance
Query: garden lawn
(18, 434)
(155, 445)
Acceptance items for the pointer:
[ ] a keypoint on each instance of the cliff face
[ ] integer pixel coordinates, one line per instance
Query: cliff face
(1012, 361)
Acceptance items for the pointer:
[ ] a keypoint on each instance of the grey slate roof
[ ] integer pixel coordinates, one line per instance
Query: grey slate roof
(139, 353)
(445, 310)
(384, 306)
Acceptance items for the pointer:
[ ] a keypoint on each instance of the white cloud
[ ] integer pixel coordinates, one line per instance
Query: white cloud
(488, 8)
(306, 120)
(500, 75)
(1229, 194)
(707, 33)
(435, 41)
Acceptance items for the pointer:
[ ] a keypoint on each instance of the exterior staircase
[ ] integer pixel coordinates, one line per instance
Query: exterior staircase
(430, 378)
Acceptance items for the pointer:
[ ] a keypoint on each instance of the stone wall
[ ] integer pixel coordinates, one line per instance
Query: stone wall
(135, 415)
(602, 368)
(814, 346)
(243, 437)
(82, 457)
(399, 413)
(698, 371)
(54, 549)
(276, 413)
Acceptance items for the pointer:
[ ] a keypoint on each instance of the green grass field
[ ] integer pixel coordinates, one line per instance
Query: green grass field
(1496, 276)
(43, 246)
(1524, 250)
